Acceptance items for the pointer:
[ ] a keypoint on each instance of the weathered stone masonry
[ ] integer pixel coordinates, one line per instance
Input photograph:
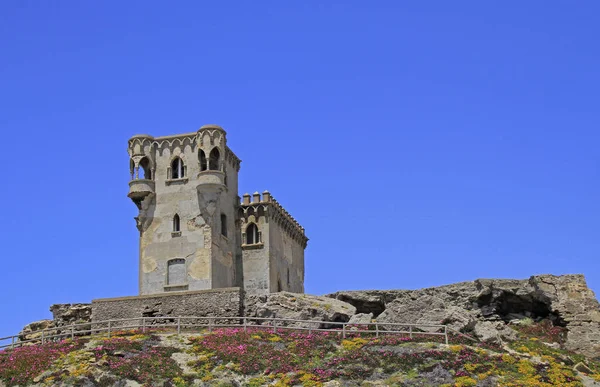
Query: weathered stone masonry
(226, 302)
(194, 232)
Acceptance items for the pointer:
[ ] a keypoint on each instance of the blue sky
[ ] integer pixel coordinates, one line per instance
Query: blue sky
(418, 143)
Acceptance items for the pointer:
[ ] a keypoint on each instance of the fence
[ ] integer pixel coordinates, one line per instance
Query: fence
(181, 324)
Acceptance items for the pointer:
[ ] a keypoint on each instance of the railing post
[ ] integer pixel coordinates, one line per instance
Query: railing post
(410, 332)
(12, 343)
(344, 330)
(42, 336)
(446, 333)
(245, 325)
(72, 333)
(210, 324)
(274, 326)
(178, 325)
(143, 324)
(109, 329)
(376, 329)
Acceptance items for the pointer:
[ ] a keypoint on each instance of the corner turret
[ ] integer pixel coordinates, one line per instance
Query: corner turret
(141, 168)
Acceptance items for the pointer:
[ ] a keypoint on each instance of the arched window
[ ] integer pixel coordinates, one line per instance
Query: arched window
(202, 158)
(252, 234)
(177, 170)
(176, 223)
(213, 163)
(145, 165)
(223, 224)
(176, 272)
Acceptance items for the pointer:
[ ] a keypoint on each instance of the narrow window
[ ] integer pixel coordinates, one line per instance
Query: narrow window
(176, 223)
(288, 278)
(145, 164)
(202, 157)
(132, 169)
(223, 224)
(177, 168)
(213, 163)
(251, 234)
(176, 272)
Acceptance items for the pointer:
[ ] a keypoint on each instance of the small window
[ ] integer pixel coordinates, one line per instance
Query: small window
(145, 165)
(176, 224)
(288, 278)
(213, 163)
(177, 170)
(203, 163)
(252, 234)
(224, 225)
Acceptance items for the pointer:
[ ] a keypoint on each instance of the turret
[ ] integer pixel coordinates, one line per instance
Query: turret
(142, 168)
(211, 143)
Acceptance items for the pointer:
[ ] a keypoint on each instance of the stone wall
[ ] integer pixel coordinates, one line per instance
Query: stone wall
(203, 303)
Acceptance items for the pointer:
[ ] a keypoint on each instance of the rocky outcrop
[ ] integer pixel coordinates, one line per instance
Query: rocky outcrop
(63, 315)
(299, 307)
(487, 307)
(33, 331)
(68, 314)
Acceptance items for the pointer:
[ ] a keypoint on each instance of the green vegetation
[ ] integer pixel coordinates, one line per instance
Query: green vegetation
(287, 358)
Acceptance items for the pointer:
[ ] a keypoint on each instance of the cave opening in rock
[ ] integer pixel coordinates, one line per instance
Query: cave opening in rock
(364, 306)
(509, 306)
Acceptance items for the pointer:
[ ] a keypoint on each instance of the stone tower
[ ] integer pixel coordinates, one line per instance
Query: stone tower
(194, 232)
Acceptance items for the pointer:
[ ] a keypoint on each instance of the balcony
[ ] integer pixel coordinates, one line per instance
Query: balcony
(140, 188)
(211, 177)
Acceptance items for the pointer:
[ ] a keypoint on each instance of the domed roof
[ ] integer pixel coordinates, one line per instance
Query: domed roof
(211, 126)
(142, 136)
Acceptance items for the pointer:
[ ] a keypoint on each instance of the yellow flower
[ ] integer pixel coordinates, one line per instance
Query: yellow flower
(465, 381)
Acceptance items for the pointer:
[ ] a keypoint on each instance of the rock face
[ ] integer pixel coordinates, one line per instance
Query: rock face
(68, 314)
(63, 315)
(299, 307)
(484, 307)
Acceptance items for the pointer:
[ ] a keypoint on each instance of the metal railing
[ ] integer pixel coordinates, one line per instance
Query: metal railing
(180, 324)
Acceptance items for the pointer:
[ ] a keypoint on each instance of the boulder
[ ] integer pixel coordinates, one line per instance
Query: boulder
(494, 331)
(361, 318)
(426, 310)
(33, 331)
(300, 307)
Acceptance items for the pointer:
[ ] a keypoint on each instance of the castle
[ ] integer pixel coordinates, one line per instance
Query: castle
(195, 232)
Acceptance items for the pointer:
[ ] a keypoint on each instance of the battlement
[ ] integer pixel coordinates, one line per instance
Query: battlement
(143, 145)
(270, 207)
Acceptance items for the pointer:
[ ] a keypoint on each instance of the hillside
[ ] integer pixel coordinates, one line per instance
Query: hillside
(543, 331)
(232, 357)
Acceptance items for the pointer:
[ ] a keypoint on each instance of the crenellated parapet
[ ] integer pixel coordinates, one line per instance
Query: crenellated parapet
(253, 207)
(208, 140)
